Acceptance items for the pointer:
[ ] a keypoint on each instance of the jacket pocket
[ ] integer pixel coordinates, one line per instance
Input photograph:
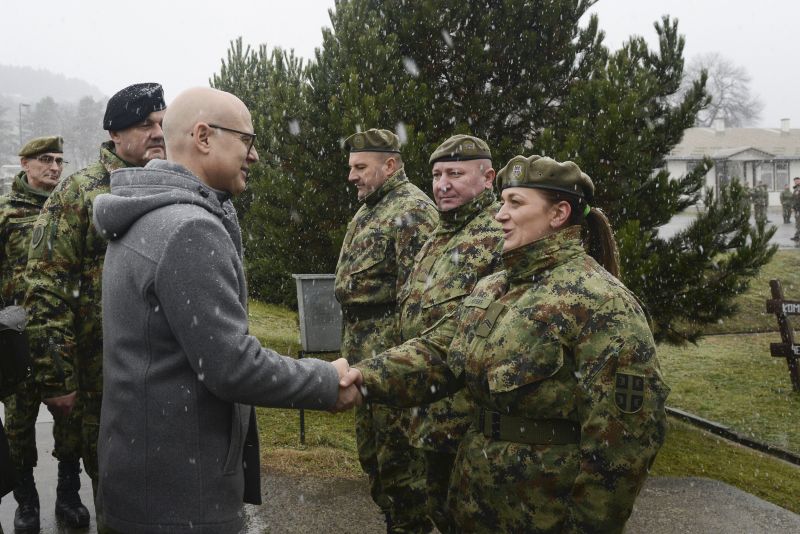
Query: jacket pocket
(525, 366)
(447, 295)
(239, 422)
(371, 251)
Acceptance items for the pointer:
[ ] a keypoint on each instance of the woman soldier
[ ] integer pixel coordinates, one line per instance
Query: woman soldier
(558, 359)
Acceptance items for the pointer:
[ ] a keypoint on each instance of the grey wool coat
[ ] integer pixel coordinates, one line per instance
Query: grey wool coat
(180, 370)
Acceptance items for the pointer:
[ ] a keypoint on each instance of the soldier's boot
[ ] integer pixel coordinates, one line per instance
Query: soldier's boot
(26, 518)
(69, 508)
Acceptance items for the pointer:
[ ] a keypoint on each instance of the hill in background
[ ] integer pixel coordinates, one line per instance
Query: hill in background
(29, 85)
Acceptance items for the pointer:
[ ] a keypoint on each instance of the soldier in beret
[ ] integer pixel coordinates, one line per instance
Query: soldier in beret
(377, 255)
(42, 160)
(65, 264)
(465, 246)
(558, 359)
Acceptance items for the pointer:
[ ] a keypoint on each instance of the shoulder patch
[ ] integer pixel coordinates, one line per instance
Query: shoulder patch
(629, 392)
(36, 237)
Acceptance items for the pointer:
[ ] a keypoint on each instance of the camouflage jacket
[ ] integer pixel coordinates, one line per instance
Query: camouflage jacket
(554, 337)
(376, 257)
(760, 196)
(65, 264)
(466, 246)
(18, 212)
(796, 197)
(786, 198)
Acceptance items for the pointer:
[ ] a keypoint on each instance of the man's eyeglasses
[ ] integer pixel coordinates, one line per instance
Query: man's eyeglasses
(247, 138)
(48, 160)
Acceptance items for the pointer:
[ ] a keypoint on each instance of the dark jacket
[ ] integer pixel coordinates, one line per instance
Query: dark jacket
(180, 367)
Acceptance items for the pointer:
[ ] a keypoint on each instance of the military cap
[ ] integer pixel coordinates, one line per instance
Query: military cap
(373, 140)
(42, 145)
(461, 148)
(133, 104)
(546, 173)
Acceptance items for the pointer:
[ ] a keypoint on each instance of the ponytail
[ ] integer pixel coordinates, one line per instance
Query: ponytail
(600, 242)
(599, 238)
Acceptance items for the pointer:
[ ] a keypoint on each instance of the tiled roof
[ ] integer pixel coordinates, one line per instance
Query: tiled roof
(697, 142)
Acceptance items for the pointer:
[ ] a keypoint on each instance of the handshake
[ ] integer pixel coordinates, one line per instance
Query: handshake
(350, 380)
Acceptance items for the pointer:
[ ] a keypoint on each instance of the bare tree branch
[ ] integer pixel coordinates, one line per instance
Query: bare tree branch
(729, 87)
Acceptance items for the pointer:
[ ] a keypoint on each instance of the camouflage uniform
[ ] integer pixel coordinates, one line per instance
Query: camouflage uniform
(376, 257)
(559, 360)
(466, 246)
(18, 212)
(65, 265)
(786, 204)
(796, 205)
(760, 197)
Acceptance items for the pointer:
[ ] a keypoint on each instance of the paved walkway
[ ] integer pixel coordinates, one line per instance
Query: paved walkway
(782, 238)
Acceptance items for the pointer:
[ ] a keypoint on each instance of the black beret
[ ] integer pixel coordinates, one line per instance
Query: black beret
(132, 105)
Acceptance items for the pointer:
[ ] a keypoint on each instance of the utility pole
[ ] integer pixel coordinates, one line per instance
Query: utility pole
(21, 105)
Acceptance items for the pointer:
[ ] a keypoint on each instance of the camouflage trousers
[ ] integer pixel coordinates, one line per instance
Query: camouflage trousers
(760, 213)
(787, 214)
(22, 408)
(438, 468)
(797, 223)
(89, 406)
(396, 470)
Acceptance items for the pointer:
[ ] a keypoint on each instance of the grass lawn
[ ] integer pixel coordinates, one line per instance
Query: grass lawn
(752, 315)
(692, 452)
(733, 380)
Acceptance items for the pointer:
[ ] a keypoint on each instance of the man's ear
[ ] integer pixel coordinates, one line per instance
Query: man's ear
(488, 177)
(201, 132)
(23, 162)
(391, 165)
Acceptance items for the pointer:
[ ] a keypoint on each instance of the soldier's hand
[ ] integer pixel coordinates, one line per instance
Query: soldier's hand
(61, 405)
(347, 375)
(349, 380)
(349, 397)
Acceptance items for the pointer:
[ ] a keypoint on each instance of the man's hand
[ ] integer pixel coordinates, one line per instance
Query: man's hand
(62, 405)
(349, 380)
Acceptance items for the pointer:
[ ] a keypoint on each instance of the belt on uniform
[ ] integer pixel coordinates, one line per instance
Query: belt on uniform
(361, 312)
(529, 431)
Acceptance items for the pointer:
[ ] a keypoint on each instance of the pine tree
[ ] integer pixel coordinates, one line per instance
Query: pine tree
(618, 125)
(526, 76)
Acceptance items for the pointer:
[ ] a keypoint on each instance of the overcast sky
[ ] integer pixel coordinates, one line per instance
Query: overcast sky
(180, 42)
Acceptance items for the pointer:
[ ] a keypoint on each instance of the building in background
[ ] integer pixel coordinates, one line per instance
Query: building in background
(749, 155)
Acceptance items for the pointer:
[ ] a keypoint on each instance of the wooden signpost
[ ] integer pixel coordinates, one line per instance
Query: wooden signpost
(782, 308)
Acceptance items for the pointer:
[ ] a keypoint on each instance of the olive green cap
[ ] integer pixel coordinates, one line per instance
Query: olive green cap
(42, 145)
(461, 148)
(373, 140)
(546, 173)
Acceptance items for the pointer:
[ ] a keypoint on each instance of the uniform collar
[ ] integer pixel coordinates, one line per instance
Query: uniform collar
(543, 254)
(22, 189)
(456, 218)
(110, 160)
(391, 183)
